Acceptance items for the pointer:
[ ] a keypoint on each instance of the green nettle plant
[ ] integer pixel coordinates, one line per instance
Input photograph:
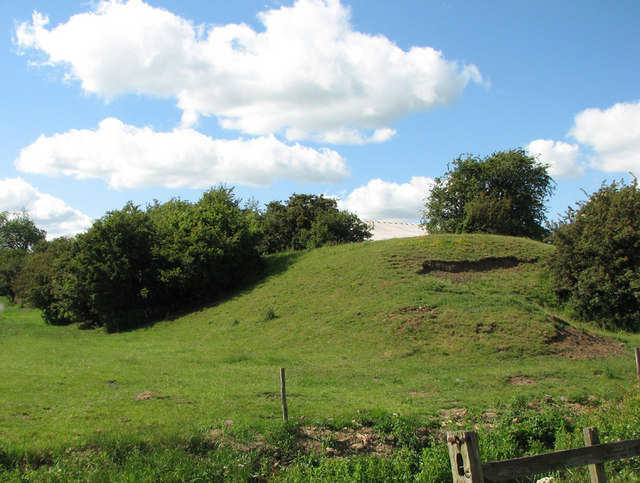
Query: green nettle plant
(598, 256)
(502, 194)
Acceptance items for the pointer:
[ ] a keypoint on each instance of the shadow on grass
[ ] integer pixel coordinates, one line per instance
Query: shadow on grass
(272, 265)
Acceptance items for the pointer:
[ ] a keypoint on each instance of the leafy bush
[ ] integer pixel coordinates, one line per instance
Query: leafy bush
(133, 265)
(596, 264)
(501, 194)
(11, 262)
(206, 248)
(44, 281)
(18, 236)
(308, 221)
(115, 272)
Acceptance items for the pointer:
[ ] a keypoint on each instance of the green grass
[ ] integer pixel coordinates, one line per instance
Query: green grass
(357, 328)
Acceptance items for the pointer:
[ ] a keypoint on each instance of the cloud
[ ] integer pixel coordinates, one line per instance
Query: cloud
(307, 74)
(47, 212)
(384, 201)
(130, 157)
(614, 135)
(563, 158)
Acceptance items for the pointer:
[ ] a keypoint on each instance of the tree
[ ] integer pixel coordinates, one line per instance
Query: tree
(206, 248)
(11, 262)
(504, 193)
(596, 265)
(18, 232)
(308, 221)
(18, 236)
(45, 281)
(114, 276)
(133, 266)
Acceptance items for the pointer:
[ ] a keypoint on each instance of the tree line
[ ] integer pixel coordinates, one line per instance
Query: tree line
(133, 265)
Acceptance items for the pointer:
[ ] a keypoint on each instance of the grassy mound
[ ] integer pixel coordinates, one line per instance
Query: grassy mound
(361, 328)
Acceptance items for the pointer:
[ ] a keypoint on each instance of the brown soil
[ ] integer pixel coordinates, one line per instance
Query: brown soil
(321, 440)
(521, 381)
(143, 396)
(344, 442)
(578, 344)
(482, 265)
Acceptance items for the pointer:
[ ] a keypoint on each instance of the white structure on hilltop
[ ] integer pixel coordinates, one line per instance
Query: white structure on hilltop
(384, 230)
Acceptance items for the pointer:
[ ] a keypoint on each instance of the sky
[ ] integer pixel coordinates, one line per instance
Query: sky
(365, 101)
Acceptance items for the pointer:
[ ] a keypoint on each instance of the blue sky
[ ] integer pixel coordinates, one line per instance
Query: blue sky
(365, 101)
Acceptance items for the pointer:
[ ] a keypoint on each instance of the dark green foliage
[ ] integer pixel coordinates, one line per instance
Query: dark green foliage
(116, 274)
(132, 265)
(11, 262)
(205, 248)
(597, 261)
(308, 221)
(45, 280)
(501, 194)
(18, 235)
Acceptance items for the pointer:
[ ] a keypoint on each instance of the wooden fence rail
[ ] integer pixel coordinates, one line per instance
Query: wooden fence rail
(467, 467)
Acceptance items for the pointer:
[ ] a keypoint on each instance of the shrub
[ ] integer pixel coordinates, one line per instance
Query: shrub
(18, 236)
(44, 281)
(134, 265)
(115, 271)
(206, 248)
(596, 264)
(308, 221)
(11, 262)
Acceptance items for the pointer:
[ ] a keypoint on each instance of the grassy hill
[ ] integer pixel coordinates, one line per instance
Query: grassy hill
(360, 329)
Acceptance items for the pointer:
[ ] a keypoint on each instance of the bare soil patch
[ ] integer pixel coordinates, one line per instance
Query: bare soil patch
(453, 417)
(482, 265)
(344, 442)
(521, 381)
(578, 344)
(339, 443)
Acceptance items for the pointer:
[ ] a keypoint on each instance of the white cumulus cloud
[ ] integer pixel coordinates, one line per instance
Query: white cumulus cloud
(308, 74)
(563, 158)
(613, 134)
(131, 157)
(46, 211)
(385, 201)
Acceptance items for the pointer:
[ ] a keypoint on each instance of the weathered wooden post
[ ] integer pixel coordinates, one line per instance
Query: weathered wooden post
(464, 453)
(637, 352)
(596, 472)
(283, 395)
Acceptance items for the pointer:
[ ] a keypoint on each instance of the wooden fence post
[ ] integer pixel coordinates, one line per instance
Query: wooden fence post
(464, 453)
(596, 472)
(637, 353)
(283, 395)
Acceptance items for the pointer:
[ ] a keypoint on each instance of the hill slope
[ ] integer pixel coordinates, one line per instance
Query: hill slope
(361, 327)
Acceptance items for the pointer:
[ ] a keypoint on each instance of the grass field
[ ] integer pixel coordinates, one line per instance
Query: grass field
(357, 327)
